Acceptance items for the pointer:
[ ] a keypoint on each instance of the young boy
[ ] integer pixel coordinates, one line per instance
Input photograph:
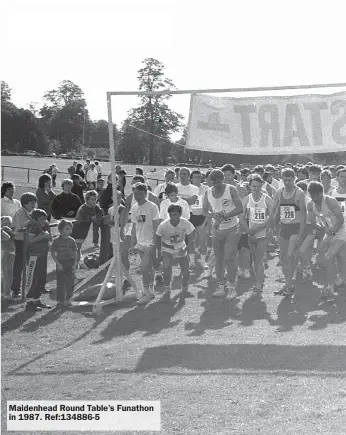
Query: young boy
(64, 253)
(20, 220)
(39, 236)
(7, 255)
(171, 243)
(87, 213)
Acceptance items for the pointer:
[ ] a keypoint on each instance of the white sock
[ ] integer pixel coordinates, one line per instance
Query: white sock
(193, 258)
(203, 258)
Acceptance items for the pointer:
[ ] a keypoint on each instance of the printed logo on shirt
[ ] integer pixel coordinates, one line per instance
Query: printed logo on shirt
(141, 218)
(174, 239)
(225, 203)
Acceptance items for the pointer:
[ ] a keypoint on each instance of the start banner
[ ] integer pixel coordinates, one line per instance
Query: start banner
(301, 124)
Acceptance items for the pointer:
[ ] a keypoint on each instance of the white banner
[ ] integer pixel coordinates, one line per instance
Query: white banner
(301, 124)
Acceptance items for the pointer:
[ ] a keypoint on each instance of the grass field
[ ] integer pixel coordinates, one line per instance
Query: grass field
(248, 366)
(38, 165)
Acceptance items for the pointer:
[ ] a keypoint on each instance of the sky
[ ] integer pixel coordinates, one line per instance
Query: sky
(100, 45)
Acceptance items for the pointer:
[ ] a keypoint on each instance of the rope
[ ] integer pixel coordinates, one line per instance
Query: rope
(152, 134)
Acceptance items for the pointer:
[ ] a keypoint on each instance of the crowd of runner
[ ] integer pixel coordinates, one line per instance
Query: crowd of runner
(220, 221)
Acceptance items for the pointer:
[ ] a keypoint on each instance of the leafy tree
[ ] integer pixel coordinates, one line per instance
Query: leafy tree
(153, 116)
(66, 117)
(100, 135)
(5, 93)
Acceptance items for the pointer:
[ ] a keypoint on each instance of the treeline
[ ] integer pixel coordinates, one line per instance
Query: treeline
(62, 124)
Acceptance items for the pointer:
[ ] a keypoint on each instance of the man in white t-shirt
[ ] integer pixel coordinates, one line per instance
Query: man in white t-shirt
(91, 177)
(159, 190)
(145, 220)
(171, 243)
(186, 190)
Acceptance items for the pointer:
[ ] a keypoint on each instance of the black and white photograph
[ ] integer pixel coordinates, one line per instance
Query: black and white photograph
(173, 217)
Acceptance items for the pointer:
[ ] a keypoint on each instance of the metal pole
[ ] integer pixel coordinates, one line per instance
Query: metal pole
(83, 127)
(28, 175)
(217, 91)
(2, 173)
(116, 246)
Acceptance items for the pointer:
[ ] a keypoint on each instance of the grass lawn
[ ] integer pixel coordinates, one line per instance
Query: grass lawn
(248, 366)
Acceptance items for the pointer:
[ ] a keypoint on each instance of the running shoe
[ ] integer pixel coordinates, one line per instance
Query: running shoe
(231, 293)
(288, 291)
(167, 292)
(338, 281)
(240, 273)
(279, 292)
(328, 292)
(257, 290)
(247, 274)
(220, 291)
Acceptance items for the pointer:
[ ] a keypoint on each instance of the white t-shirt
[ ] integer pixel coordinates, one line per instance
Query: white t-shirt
(197, 207)
(98, 168)
(187, 191)
(91, 176)
(275, 183)
(9, 206)
(159, 189)
(143, 216)
(166, 203)
(174, 236)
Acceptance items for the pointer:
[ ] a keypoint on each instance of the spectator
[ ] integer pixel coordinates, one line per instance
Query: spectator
(98, 168)
(9, 206)
(78, 187)
(91, 177)
(7, 255)
(79, 171)
(87, 165)
(39, 236)
(54, 170)
(20, 221)
(45, 195)
(72, 169)
(139, 171)
(122, 181)
(66, 204)
(159, 191)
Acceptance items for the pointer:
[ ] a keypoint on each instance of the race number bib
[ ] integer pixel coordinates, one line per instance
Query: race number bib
(287, 213)
(198, 203)
(257, 215)
(174, 239)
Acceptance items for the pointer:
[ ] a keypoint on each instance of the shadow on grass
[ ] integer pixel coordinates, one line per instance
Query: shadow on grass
(151, 318)
(244, 357)
(233, 360)
(16, 321)
(98, 320)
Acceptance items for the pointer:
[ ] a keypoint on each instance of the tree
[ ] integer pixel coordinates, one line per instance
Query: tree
(153, 116)
(99, 134)
(5, 93)
(66, 117)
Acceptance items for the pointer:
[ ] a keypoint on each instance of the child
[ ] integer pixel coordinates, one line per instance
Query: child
(87, 213)
(7, 255)
(20, 220)
(64, 253)
(39, 236)
(171, 242)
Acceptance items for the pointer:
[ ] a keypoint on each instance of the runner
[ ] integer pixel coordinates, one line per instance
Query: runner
(159, 190)
(326, 180)
(126, 227)
(198, 220)
(326, 210)
(145, 221)
(244, 257)
(190, 193)
(171, 192)
(289, 202)
(226, 205)
(171, 235)
(258, 206)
